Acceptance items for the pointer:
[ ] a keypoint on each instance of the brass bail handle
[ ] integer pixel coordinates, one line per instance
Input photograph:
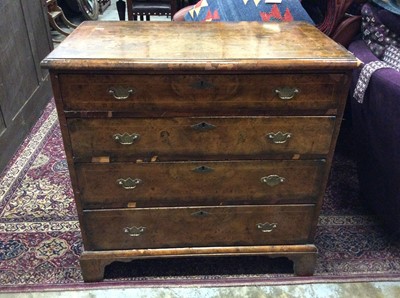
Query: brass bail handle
(126, 138)
(287, 93)
(267, 227)
(134, 231)
(272, 180)
(279, 137)
(121, 93)
(129, 183)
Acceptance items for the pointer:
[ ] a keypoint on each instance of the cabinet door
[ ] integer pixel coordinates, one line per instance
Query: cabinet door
(24, 86)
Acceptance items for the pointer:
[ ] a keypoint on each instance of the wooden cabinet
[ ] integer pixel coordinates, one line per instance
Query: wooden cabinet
(24, 87)
(218, 142)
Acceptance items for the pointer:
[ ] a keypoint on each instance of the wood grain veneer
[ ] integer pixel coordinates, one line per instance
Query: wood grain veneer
(198, 139)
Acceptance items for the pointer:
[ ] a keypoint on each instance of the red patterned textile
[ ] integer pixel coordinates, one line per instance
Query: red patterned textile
(247, 10)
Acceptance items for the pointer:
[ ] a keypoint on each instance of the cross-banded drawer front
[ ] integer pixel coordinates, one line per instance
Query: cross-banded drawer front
(161, 95)
(205, 138)
(120, 185)
(193, 226)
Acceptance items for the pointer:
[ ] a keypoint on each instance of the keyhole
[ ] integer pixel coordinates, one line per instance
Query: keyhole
(164, 134)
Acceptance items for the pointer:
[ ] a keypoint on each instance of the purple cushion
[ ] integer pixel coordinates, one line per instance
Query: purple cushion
(375, 33)
(390, 78)
(390, 20)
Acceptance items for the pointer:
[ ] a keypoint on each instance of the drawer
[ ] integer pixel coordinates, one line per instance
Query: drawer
(193, 226)
(119, 185)
(200, 137)
(174, 95)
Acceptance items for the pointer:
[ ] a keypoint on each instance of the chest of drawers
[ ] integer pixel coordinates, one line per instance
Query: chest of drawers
(198, 139)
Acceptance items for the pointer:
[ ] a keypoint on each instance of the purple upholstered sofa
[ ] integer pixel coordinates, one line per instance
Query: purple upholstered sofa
(376, 124)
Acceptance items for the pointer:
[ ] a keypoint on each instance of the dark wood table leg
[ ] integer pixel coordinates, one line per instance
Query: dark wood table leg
(121, 8)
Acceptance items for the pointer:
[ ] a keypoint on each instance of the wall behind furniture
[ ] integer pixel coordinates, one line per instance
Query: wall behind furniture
(24, 87)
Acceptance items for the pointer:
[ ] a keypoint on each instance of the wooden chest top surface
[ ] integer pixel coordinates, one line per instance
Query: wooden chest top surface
(169, 46)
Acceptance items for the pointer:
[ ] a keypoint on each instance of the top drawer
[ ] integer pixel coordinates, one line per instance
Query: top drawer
(172, 95)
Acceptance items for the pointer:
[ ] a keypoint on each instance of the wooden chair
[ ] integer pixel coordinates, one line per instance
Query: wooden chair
(146, 8)
(55, 14)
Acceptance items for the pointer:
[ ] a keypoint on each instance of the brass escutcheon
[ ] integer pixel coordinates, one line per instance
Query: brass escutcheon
(121, 93)
(200, 213)
(203, 126)
(203, 169)
(202, 85)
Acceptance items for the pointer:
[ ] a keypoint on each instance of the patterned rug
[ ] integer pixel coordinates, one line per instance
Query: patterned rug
(40, 240)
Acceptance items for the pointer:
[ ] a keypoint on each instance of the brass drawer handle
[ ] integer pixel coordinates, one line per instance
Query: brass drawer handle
(120, 93)
(287, 93)
(129, 183)
(134, 231)
(279, 137)
(266, 227)
(272, 180)
(126, 138)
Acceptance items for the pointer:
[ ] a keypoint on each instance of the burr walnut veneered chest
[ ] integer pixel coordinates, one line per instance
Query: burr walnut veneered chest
(196, 139)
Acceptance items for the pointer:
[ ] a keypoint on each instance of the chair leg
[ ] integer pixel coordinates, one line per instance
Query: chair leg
(121, 6)
(56, 27)
(66, 21)
(54, 13)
